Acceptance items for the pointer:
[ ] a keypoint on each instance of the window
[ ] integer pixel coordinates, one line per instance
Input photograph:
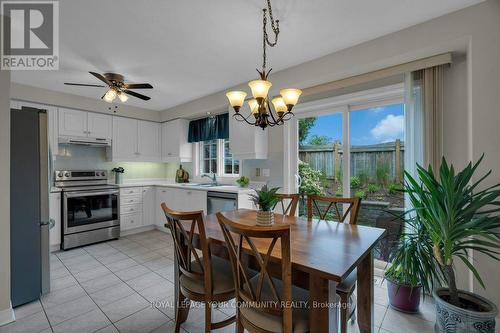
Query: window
(215, 157)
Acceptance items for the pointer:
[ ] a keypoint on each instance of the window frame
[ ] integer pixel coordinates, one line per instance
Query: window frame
(220, 160)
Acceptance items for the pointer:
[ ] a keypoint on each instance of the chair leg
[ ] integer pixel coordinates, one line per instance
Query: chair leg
(181, 312)
(344, 311)
(239, 325)
(208, 317)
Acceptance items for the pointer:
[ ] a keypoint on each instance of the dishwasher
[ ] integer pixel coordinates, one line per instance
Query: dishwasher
(221, 202)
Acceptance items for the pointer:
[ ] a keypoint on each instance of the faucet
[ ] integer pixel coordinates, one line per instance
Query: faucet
(213, 178)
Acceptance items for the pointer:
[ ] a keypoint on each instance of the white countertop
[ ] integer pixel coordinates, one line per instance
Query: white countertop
(191, 186)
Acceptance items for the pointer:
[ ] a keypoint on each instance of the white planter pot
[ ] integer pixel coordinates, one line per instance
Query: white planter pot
(265, 218)
(453, 319)
(118, 178)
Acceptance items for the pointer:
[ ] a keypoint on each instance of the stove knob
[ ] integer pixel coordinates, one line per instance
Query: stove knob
(59, 174)
(66, 174)
(103, 174)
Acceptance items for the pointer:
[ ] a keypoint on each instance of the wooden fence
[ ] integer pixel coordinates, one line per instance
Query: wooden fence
(365, 160)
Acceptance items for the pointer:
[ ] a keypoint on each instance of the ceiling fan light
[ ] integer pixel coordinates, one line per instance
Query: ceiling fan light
(123, 97)
(260, 88)
(110, 95)
(236, 98)
(279, 105)
(290, 96)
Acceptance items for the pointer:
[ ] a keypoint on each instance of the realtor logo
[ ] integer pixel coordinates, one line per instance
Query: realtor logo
(30, 35)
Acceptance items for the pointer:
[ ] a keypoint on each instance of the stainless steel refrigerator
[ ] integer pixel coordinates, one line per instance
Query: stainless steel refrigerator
(29, 205)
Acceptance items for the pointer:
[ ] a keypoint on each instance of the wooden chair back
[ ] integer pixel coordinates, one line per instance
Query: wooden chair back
(341, 213)
(244, 237)
(293, 201)
(185, 251)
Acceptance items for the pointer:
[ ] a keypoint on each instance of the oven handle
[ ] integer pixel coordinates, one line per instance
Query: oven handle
(88, 194)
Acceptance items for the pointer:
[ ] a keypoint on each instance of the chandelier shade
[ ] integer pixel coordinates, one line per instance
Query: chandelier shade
(260, 88)
(290, 96)
(236, 98)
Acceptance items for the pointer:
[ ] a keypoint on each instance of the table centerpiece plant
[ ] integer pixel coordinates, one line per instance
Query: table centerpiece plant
(461, 215)
(266, 199)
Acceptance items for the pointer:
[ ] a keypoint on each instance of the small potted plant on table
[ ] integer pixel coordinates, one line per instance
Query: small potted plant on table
(460, 215)
(118, 174)
(266, 199)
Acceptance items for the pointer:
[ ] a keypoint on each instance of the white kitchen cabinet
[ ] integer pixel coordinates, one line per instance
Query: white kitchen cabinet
(174, 140)
(124, 142)
(136, 140)
(165, 195)
(72, 122)
(55, 219)
(130, 221)
(149, 139)
(14, 104)
(99, 125)
(52, 115)
(191, 200)
(148, 206)
(84, 124)
(247, 142)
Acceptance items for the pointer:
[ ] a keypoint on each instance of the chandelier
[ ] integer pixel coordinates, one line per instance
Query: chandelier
(260, 108)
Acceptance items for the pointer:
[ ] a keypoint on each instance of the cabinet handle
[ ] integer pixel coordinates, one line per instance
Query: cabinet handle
(164, 191)
(131, 221)
(131, 200)
(169, 154)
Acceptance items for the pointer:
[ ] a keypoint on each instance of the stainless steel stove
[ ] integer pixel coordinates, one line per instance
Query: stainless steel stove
(90, 207)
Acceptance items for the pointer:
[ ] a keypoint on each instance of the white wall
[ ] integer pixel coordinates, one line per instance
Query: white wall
(5, 197)
(51, 97)
(472, 95)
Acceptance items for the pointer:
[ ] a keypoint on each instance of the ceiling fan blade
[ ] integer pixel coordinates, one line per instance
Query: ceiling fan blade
(138, 86)
(83, 84)
(100, 77)
(133, 93)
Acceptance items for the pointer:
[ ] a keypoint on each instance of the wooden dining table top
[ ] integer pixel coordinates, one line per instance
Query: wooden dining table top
(327, 249)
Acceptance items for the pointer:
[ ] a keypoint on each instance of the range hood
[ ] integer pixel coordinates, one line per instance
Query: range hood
(94, 142)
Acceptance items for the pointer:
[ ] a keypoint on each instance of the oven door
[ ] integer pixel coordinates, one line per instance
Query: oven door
(91, 210)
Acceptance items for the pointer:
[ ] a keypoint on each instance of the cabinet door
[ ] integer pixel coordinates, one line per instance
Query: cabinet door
(247, 142)
(164, 195)
(169, 141)
(55, 218)
(72, 122)
(149, 141)
(148, 206)
(124, 143)
(190, 200)
(130, 221)
(99, 125)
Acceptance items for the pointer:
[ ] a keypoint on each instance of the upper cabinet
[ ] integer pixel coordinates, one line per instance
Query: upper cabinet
(84, 124)
(136, 140)
(174, 141)
(246, 141)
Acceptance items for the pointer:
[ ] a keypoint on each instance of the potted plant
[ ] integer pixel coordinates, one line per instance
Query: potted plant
(266, 199)
(459, 217)
(243, 181)
(411, 273)
(118, 174)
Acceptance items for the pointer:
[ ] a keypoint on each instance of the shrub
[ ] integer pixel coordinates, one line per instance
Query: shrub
(355, 182)
(360, 194)
(311, 179)
(394, 188)
(382, 173)
(363, 177)
(372, 188)
(339, 193)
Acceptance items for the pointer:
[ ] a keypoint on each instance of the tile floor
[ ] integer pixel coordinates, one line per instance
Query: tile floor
(126, 285)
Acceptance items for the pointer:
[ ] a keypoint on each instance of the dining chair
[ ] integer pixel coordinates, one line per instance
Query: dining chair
(203, 279)
(290, 208)
(349, 207)
(264, 303)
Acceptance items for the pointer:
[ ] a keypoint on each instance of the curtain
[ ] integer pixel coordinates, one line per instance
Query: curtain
(210, 128)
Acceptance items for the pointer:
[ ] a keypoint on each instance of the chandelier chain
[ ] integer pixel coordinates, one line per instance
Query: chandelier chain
(275, 26)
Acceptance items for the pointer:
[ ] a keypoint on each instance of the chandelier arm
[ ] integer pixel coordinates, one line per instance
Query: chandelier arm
(270, 110)
(240, 117)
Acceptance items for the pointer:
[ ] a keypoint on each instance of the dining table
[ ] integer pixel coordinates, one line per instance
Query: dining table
(323, 254)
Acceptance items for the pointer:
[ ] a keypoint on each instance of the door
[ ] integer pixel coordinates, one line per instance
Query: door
(149, 141)
(25, 207)
(72, 122)
(99, 125)
(124, 139)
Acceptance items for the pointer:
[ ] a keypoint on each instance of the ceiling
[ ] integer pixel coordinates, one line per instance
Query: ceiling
(191, 48)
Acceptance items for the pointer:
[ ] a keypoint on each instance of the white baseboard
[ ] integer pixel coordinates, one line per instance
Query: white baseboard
(136, 230)
(7, 316)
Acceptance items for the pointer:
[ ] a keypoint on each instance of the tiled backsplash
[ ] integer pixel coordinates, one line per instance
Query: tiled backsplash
(73, 157)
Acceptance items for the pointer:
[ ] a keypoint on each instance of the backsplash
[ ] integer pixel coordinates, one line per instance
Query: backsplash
(74, 157)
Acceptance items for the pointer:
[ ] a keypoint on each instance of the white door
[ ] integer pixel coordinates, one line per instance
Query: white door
(149, 141)
(72, 122)
(99, 125)
(124, 139)
(148, 206)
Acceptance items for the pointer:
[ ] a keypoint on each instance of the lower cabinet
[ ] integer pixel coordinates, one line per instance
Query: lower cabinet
(184, 200)
(55, 219)
(131, 221)
(136, 207)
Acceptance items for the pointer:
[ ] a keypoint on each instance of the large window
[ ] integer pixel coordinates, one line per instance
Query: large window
(216, 157)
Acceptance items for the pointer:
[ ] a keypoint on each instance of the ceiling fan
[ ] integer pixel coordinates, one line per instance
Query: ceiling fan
(117, 87)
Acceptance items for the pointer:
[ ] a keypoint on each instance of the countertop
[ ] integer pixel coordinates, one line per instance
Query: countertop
(190, 186)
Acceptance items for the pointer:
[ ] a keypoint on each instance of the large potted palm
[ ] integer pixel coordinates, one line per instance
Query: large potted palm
(460, 215)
